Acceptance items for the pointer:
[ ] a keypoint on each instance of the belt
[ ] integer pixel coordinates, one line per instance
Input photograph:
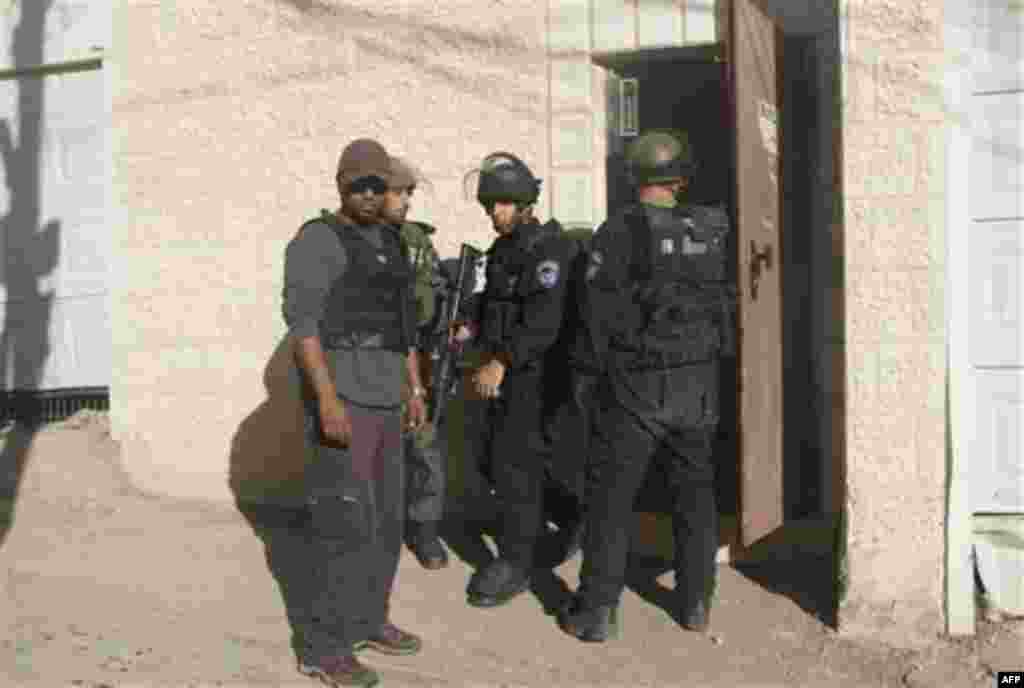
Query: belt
(353, 340)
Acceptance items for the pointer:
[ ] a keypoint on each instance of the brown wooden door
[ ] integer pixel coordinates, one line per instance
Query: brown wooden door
(754, 44)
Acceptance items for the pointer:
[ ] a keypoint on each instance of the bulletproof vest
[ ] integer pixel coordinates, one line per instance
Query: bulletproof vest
(508, 282)
(677, 276)
(368, 306)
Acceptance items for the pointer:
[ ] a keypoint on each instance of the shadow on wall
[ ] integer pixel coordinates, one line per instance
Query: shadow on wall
(30, 253)
(414, 42)
(268, 454)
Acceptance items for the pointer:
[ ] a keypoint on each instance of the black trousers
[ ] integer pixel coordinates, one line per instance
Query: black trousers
(664, 416)
(356, 504)
(516, 450)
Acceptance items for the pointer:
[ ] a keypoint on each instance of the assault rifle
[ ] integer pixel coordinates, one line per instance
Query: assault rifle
(445, 354)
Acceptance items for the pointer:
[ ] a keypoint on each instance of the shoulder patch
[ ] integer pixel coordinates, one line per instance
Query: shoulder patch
(547, 273)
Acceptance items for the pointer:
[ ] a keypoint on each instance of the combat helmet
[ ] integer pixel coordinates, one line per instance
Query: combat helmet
(504, 177)
(659, 156)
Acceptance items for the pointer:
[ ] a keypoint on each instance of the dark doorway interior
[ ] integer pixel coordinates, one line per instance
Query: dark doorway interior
(687, 89)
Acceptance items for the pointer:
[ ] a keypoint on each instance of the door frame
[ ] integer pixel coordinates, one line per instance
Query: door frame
(960, 422)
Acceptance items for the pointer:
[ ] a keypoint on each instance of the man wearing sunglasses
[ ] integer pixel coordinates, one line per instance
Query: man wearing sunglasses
(425, 455)
(348, 304)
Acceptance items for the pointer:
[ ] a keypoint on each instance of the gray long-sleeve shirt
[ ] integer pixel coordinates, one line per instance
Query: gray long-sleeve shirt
(314, 259)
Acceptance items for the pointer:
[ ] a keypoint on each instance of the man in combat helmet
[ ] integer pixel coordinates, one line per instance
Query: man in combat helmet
(519, 317)
(656, 318)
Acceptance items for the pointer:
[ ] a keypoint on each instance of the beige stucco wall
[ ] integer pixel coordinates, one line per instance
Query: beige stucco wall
(229, 120)
(893, 245)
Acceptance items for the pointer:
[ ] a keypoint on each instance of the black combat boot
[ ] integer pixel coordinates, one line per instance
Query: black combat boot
(592, 624)
(423, 541)
(496, 584)
(695, 615)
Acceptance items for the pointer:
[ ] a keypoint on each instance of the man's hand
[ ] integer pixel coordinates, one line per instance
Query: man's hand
(488, 378)
(334, 421)
(416, 413)
(461, 331)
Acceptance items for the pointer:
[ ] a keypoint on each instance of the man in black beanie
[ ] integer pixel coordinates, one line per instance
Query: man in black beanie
(348, 304)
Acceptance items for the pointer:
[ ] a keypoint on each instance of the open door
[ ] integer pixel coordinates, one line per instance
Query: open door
(754, 44)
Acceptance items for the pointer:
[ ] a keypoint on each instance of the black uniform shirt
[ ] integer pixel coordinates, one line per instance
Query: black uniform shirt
(540, 277)
(605, 299)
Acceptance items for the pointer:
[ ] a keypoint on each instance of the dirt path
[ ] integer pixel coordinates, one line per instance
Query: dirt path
(106, 587)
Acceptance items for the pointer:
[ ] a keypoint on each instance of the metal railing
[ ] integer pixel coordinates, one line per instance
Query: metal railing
(39, 407)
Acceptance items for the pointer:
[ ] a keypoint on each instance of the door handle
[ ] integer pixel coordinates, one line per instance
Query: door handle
(759, 260)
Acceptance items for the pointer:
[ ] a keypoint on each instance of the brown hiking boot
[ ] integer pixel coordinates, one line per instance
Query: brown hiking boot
(392, 640)
(342, 670)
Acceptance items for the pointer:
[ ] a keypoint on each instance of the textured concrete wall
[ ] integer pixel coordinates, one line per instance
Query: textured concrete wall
(230, 118)
(893, 167)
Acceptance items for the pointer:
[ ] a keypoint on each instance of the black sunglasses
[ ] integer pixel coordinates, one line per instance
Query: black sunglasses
(370, 183)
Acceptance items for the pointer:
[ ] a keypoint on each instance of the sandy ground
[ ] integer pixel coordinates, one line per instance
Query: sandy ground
(107, 587)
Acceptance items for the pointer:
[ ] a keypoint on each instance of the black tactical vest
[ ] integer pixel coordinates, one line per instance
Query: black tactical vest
(509, 283)
(677, 275)
(369, 305)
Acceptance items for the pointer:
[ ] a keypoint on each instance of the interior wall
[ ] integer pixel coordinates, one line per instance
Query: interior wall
(801, 444)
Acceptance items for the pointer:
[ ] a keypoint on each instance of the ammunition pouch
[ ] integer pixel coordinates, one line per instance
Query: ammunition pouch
(499, 317)
(682, 324)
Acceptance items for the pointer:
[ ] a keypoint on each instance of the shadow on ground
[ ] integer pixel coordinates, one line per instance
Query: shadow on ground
(267, 463)
(808, 581)
(282, 529)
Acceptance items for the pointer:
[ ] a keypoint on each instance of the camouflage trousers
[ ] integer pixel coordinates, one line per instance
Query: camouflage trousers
(426, 478)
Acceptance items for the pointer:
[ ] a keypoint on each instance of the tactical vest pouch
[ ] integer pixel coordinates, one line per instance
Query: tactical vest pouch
(692, 343)
(496, 323)
(695, 399)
